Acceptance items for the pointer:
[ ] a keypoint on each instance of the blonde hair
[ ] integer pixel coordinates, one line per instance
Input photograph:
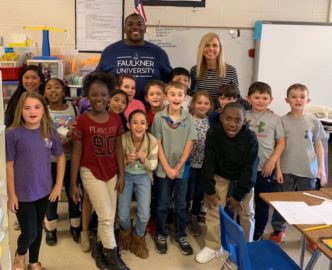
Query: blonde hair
(46, 124)
(195, 98)
(177, 85)
(201, 64)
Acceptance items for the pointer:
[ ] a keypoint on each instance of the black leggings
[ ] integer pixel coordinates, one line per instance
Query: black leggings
(30, 216)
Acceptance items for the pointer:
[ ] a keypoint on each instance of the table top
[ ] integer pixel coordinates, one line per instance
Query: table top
(314, 235)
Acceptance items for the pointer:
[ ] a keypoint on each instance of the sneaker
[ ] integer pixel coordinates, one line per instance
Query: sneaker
(161, 244)
(277, 237)
(208, 254)
(312, 245)
(184, 246)
(194, 228)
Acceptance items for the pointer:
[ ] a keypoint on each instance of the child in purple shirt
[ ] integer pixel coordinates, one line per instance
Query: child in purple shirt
(29, 180)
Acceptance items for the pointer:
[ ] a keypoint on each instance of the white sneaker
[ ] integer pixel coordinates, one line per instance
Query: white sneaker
(208, 254)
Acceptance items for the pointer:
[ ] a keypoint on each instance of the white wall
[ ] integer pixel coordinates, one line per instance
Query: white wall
(14, 14)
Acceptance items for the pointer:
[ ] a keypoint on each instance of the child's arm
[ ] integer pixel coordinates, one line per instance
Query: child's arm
(271, 162)
(279, 176)
(120, 160)
(186, 152)
(321, 166)
(74, 167)
(170, 172)
(12, 198)
(60, 173)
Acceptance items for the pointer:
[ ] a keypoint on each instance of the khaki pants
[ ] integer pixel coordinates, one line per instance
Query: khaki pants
(212, 238)
(103, 198)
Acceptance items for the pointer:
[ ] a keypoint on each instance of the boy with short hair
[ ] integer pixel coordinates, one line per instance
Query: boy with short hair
(175, 131)
(182, 75)
(228, 176)
(271, 143)
(154, 95)
(303, 158)
(226, 94)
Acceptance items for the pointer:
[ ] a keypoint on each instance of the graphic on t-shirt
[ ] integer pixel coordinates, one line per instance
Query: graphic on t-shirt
(140, 66)
(61, 120)
(260, 126)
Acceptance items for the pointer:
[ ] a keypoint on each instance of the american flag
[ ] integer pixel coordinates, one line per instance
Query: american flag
(139, 9)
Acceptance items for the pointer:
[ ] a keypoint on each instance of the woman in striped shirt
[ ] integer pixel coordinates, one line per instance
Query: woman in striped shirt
(211, 70)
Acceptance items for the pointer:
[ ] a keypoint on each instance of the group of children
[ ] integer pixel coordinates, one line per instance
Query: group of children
(176, 150)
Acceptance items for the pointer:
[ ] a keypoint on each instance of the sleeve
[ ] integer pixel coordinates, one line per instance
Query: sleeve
(10, 146)
(235, 82)
(120, 130)
(99, 67)
(192, 132)
(166, 68)
(156, 127)
(77, 133)
(279, 131)
(319, 132)
(151, 161)
(57, 148)
(193, 75)
(209, 165)
(248, 174)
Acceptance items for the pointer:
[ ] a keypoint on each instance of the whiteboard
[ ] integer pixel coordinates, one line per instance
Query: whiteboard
(181, 45)
(98, 24)
(290, 53)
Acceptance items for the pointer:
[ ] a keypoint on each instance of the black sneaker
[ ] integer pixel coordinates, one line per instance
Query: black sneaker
(184, 246)
(161, 244)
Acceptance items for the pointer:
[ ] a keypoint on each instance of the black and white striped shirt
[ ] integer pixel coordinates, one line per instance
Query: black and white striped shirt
(211, 83)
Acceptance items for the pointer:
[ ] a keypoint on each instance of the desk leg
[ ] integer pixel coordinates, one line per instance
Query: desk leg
(303, 246)
(313, 260)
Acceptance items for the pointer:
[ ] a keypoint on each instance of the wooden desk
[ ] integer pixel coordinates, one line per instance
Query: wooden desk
(312, 235)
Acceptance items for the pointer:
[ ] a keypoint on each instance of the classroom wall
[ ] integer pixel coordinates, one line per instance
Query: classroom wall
(15, 14)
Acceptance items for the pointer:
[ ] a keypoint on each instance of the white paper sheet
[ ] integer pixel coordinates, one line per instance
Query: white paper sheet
(298, 213)
(324, 210)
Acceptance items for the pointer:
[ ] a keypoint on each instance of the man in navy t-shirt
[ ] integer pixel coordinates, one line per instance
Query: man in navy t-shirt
(133, 55)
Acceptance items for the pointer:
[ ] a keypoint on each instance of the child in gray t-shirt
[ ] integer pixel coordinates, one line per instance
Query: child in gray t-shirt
(303, 158)
(271, 143)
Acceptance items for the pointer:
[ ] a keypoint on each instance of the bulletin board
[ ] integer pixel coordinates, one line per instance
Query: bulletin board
(98, 24)
(181, 45)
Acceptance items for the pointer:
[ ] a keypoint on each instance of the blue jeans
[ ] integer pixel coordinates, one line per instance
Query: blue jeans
(291, 183)
(73, 209)
(165, 188)
(141, 185)
(30, 216)
(263, 184)
(195, 191)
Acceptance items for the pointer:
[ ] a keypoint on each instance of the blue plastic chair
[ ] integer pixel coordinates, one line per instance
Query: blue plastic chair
(259, 255)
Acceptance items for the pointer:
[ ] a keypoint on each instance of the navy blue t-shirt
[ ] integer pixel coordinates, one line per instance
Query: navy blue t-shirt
(145, 62)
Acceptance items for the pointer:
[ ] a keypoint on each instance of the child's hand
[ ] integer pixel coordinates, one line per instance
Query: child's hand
(322, 177)
(211, 200)
(279, 177)
(55, 194)
(235, 204)
(75, 194)
(172, 173)
(131, 157)
(71, 127)
(12, 203)
(268, 168)
(120, 184)
(141, 156)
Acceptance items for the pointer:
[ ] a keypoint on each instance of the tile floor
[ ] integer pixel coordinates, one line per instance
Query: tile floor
(66, 255)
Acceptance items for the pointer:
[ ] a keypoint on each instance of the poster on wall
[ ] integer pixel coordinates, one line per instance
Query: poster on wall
(179, 3)
(98, 24)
